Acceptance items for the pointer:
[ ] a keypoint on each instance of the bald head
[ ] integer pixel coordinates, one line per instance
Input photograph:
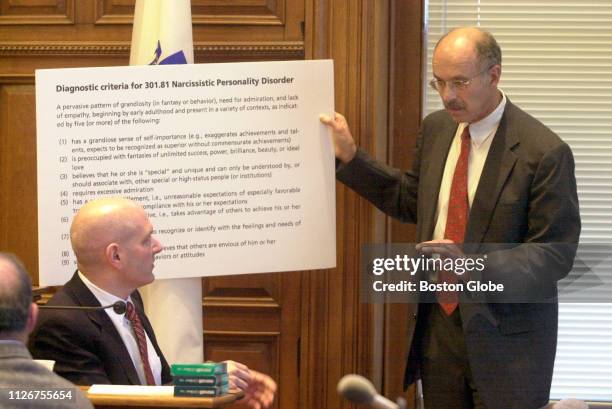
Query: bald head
(113, 243)
(99, 223)
(16, 307)
(472, 42)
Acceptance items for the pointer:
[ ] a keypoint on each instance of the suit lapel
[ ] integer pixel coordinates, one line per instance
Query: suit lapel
(497, 168)
(108, 331)
(433, 175)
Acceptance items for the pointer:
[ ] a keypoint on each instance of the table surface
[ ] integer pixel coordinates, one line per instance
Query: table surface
(160, 401)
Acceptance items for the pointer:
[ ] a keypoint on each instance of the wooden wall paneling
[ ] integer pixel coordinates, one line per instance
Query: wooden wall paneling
(248, 12)
(254, 289)
(13, 12)
(321, 356)
(71, 34)
(219, 51)
(259, 350)
(290, 340)
(102, 21)
(18, 211)
(255, 319)
(102, 29)
(204, 12)
(375, 111)
(341, 316)
(341, 334)
(313, 335)
(404, 120)
(114, 11)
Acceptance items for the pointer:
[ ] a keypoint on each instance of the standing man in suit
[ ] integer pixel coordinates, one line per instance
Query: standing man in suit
(18, 372)
(484, 172)
(115, 250)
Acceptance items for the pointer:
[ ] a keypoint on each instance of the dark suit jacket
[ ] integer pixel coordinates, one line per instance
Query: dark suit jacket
(85, 344)
(527, 196)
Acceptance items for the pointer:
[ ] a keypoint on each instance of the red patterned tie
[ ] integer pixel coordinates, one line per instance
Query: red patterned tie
(141, 339)
(457, 218)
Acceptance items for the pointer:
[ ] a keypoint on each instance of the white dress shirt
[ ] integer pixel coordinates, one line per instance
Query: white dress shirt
(124, 328)
(481, 136)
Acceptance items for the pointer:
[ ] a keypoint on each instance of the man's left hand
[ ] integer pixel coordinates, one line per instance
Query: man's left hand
(445, 248)
(258, 388)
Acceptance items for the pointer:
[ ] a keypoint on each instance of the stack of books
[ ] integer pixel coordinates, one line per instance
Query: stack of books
(209, 379)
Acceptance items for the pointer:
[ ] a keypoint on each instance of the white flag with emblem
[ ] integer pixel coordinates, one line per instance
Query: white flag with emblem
(162, 34)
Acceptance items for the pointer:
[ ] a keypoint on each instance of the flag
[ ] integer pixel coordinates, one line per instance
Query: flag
(162, 34)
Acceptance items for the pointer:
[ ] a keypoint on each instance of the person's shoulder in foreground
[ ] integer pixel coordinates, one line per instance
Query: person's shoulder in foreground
(25, 383)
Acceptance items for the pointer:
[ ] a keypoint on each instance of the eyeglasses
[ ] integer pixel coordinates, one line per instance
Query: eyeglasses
(458, 85)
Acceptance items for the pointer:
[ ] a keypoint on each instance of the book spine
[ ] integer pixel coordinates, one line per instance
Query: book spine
(205, 391)
(199, 369)
(214, 380)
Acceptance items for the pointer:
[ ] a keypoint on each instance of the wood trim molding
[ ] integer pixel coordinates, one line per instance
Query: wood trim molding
(283, 49)
(36, 20)
(203, 20)
(17, 78)
(258, 20)
(16, 49)
(225, 302)
(263, 334)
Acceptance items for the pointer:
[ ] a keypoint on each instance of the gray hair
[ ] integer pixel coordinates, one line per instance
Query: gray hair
(15, 297)
(489, 52)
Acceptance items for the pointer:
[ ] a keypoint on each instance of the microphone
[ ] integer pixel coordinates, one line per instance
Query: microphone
(358, 389)
(119, 307)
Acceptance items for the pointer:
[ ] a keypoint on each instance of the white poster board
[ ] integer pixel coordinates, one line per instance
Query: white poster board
(229, 161)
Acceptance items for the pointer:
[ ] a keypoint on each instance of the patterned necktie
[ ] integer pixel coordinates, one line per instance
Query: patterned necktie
(141, 339)
(457, 218)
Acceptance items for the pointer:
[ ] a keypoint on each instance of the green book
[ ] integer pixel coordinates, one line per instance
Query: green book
(205, 380)
(200, 391)
(206, 368)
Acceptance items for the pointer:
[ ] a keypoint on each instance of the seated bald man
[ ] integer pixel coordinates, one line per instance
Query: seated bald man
(115, 249)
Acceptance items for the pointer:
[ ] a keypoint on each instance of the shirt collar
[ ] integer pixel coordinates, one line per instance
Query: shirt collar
(103, 297)
(480, 131)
